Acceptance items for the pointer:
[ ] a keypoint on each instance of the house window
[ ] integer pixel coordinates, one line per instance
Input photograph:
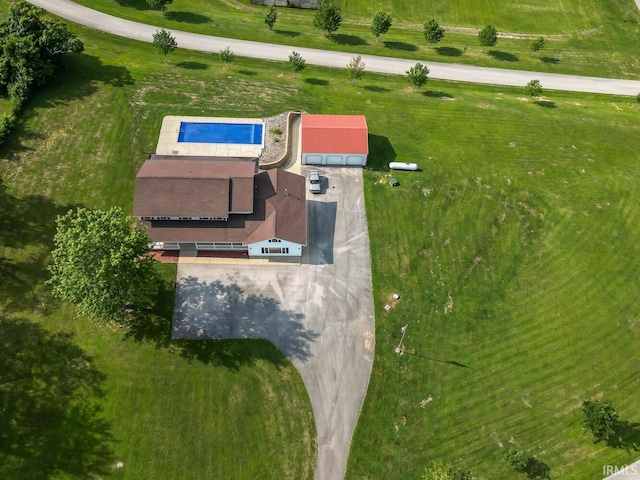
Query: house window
(275, 250)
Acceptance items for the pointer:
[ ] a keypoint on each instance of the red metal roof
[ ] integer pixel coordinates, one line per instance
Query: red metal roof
(334, 134)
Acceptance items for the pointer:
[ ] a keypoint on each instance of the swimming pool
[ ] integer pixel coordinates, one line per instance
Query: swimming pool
(219, 132)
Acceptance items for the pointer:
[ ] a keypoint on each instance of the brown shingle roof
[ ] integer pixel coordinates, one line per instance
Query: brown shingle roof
(279, 211)
(193, 188)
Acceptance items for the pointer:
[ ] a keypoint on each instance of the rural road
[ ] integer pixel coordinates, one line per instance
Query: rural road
(266, 51)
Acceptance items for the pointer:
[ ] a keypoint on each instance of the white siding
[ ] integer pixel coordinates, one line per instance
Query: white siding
(279, 248)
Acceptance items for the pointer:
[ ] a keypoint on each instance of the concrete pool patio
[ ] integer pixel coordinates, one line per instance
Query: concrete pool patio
(318, 312)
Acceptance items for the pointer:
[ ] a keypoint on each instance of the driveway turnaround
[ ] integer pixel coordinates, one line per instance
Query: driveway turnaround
(267, 51)
(319, 313)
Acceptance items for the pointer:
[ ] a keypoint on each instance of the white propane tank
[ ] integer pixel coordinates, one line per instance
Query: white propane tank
(403, 166)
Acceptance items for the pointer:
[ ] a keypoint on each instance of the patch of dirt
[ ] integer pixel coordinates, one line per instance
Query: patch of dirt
(523, 99)
(486, 106)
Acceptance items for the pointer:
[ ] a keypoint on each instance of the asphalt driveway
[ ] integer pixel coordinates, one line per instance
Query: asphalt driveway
(319, 313)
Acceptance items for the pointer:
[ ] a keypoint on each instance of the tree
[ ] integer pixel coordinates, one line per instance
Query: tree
(164, 42)
(327, 18)
(517, 459)
(533, 88)
(227, 56)
(356, 68)
(433, 32)
(600, 417)
(418, 75)
(296, 62)
(537, 45)
(444, 471)
(159, 4)
(488, 37)
(101, 263)
(30, 47)
(380, 25)
(271, 17)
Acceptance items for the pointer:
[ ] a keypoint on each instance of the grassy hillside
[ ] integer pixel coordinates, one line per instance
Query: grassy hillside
(591, 37)
(514, 250)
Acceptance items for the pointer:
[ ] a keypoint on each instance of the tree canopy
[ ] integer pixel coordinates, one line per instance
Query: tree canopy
(355, 68)
(159, 4)
(600, 417)
(296, 62)
(488, 36)
(227, 56)
(533, 88)
(418, 75)
(101, 263)
(433, 32)
(30, 44)
(164, 42)
(327, 18)
(271, 17)
(381, 24)
(537, 44)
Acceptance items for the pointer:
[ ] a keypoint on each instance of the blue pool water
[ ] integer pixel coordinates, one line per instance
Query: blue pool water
(200, 132)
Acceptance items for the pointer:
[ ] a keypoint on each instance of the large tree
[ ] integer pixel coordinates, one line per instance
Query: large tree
(101, 263)
(30, 45)
(418, 75)
(164, 42)
(488, 37)
(600, 417)
(327, 18)
(380, 25)
(433, 32)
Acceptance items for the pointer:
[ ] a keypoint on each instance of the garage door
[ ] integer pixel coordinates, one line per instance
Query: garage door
(335, 160)
(313, 160)
(355, 160)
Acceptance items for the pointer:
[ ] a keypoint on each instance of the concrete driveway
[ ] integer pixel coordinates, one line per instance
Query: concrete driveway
(318, 313)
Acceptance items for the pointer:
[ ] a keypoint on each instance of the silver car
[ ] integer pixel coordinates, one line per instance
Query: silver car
(314, 181)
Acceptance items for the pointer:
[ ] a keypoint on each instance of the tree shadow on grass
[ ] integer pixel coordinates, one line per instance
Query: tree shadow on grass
(316, 81)
(212, 322)
(537, 470)
(437, 94)
(402, 46)
(192, 65)
(503, 56)
(247, 73)
(352, 40)
(375, 88)
(546, 103)
(449, 51)
(186, 17)
(381, 152)
(551, 60)
(51, 422)
(27, 225)
(287, 33)
(626, 436)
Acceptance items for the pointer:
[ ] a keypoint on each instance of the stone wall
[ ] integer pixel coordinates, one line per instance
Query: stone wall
(289, 3)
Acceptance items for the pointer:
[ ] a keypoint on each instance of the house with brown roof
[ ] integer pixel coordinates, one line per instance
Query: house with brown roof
(206, 203)
(339, 140)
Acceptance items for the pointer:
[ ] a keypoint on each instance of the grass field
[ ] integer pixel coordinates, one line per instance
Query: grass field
(590, 37)
(515, 251)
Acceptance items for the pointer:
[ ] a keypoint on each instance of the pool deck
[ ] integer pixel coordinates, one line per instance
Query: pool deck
(168, 139)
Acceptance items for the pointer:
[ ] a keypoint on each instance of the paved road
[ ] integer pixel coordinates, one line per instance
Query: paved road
(319, 314)
(445, 71)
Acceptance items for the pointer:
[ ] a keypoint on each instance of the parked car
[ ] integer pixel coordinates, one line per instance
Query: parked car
(314, 181)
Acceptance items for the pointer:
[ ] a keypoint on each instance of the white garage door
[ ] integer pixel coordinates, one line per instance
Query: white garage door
(355, 160)
(335, 160)
(313, 160)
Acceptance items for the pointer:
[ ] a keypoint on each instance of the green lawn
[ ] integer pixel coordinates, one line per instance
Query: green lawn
(514, 249)
(590, 37)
